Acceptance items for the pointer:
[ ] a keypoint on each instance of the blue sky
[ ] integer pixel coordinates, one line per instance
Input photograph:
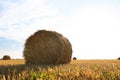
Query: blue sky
(10, 47)
(92, 26)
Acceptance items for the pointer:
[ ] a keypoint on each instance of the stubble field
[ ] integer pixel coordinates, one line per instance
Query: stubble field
(76, 70)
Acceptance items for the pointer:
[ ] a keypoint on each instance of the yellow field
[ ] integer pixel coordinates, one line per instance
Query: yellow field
(76, 70)
(11, 62)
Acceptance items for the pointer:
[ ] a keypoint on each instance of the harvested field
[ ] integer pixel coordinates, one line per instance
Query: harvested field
(76, 70)
(12, 62)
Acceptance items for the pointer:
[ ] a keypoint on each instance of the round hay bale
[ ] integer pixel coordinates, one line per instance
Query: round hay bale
(47, 47)
(6, 57)
(74, 58)
(118, 58)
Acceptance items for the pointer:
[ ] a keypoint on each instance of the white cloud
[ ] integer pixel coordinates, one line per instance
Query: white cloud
(26, 11)
(96, 31)
(90, 28)
(21, 19)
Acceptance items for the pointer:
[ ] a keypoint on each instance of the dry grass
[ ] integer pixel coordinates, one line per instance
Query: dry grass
(76, 70)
